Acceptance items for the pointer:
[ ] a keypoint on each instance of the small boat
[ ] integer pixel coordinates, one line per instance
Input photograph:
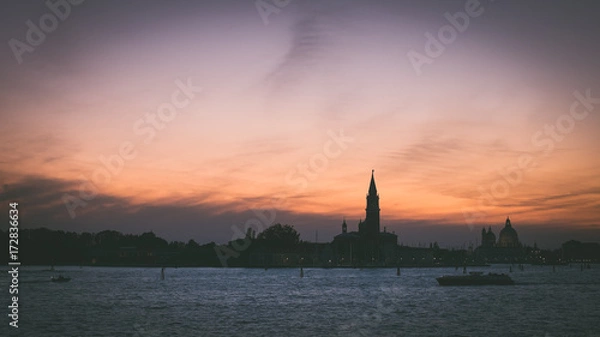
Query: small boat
(60, 278)
(475, 279)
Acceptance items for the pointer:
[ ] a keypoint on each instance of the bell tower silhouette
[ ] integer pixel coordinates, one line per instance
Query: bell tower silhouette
(372, 219)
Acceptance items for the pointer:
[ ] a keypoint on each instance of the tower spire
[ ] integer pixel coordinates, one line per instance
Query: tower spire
(371, 224)
(372, 187)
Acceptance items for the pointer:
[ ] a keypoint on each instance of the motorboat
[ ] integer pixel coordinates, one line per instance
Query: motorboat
(475, 279)
(60, 278)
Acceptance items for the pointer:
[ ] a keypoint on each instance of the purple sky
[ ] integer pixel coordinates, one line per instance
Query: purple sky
(182, 117)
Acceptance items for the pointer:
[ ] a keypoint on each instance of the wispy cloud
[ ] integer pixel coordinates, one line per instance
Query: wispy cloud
(312, 40)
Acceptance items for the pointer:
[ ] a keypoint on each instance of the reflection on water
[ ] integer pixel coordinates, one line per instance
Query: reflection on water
(325, 302)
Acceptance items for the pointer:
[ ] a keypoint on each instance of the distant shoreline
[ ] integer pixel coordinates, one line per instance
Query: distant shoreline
(273, 267)
(306, 266)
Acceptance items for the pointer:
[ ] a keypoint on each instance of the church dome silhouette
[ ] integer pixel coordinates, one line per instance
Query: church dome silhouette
(508, 236)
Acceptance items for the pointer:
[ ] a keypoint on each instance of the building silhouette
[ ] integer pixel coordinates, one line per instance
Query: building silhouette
(488, 239)
(506, 249)
(370, 226)
(508, 236)
(368, 245)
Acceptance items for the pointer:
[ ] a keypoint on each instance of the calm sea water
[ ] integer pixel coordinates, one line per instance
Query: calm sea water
(325, 302)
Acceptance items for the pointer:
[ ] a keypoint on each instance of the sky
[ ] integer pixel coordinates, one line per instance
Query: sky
(197, 119)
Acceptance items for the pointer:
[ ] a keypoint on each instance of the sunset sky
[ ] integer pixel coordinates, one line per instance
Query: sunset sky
(181, 117)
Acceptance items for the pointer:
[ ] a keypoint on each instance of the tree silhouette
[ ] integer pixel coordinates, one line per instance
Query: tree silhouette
(280, 235)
